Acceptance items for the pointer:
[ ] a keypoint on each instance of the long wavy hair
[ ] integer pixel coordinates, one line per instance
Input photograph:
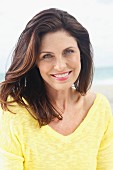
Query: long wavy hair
(23, 79)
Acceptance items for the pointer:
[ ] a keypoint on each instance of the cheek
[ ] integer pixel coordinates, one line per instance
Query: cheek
(75, 63)
(43, 69)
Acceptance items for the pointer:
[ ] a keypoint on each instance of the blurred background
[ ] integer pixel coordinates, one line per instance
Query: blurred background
(95, 15)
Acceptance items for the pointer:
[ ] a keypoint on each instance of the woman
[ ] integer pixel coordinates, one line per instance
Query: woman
(49, 118)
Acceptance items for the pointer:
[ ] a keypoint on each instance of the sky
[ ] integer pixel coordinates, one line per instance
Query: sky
(95, 15)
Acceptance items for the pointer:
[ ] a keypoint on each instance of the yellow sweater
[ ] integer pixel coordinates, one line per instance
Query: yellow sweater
(25, 146)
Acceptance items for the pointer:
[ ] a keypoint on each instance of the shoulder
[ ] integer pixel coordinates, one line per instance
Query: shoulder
(17, 116)
(98, 104)
(100, 112)
(97, 99)
(103, 103)
(16, 128)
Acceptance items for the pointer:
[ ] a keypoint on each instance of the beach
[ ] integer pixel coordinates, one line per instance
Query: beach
(105, 89)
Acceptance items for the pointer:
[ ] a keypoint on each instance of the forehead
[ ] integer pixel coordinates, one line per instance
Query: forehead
(56, 39)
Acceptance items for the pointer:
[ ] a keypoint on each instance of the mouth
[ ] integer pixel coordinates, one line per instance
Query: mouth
(61, 75)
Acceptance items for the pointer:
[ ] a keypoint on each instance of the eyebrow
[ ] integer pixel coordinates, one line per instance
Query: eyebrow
(52, 52)
(45, 52)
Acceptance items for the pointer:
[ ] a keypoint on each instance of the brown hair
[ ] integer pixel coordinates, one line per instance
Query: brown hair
(23, 79)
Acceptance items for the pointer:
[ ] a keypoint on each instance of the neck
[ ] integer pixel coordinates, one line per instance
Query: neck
(61, 99)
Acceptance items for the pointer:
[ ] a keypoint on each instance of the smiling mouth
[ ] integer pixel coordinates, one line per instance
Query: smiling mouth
(63, 75)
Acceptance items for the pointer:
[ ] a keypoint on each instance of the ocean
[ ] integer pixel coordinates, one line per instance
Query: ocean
(102, 76)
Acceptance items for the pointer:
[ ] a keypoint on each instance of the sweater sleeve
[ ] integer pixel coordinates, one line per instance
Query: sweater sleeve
(105, 154)
(10, 148)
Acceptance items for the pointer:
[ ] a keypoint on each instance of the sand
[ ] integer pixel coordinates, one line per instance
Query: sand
(107, 90)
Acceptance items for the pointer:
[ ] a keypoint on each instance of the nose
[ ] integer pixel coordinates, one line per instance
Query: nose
(60, 64)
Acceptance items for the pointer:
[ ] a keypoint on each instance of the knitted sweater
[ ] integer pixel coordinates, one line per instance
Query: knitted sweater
(26, 146)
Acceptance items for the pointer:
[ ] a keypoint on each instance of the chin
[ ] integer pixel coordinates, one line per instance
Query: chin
(62, 87)
(59, 86)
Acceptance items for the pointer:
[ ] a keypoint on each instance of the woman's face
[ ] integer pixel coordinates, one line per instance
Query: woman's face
(59, 60)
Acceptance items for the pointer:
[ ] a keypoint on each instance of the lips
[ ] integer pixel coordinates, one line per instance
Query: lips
(61, 75)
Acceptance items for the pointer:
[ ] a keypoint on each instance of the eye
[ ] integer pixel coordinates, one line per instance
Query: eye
(68, 51)
(47, 56)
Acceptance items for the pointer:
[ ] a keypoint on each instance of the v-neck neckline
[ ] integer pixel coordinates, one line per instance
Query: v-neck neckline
(51, 132)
